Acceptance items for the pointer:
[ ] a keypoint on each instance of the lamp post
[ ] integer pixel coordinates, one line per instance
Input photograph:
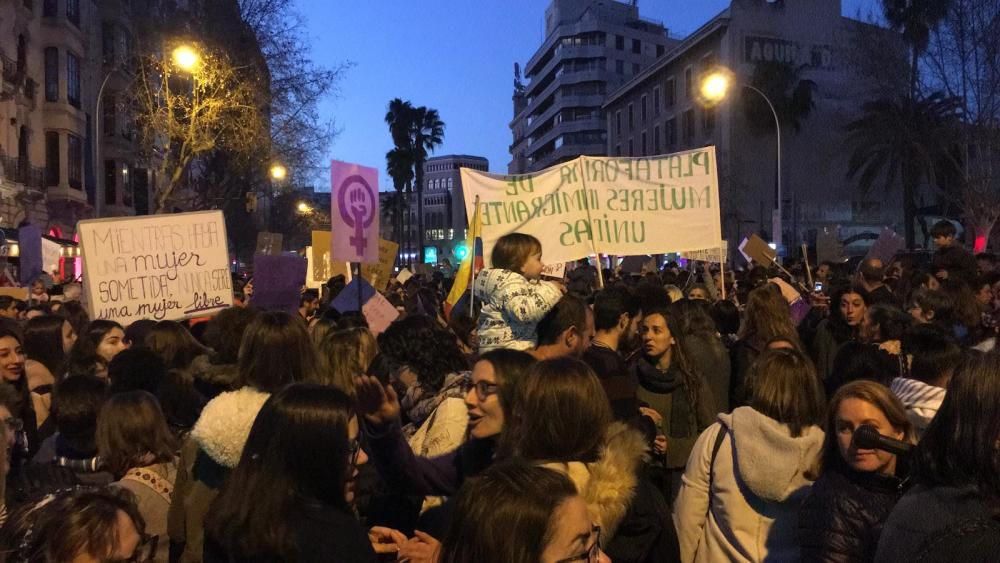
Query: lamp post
(714, 87)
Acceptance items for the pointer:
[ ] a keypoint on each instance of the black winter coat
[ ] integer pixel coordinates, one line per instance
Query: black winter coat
(843, 516)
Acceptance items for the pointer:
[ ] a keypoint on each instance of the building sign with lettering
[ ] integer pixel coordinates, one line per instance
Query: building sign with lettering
(161, 267)
(768, 49)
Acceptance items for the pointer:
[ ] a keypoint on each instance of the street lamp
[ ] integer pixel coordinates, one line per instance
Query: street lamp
(185, 57)
(278, 172)
(714, 88)
(304, 208)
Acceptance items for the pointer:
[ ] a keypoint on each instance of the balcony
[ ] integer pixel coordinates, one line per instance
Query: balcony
(20, 172)
(9, 69)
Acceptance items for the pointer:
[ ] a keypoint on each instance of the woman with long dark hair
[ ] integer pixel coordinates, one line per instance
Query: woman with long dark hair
(95, 347)
(300, 461)
(847, 312)
(703, 348)
(950, 514)
(47, 342)
(174, 344)
(843, 515)
(23, 423)
(674, 388)
(767, 317)
(136, 445)
(275, 352)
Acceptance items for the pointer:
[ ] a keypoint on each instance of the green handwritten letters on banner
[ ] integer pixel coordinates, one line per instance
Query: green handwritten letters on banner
(157, 267)
(609, 205)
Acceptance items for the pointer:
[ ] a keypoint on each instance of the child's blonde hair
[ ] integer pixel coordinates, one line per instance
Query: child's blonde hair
(511, 251)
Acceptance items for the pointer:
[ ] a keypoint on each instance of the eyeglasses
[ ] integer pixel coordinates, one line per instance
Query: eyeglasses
(14, 424)
(484, 389)
(355, 451)
(593, 553)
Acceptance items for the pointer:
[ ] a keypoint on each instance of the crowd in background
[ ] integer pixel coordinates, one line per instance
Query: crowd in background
(670, 415)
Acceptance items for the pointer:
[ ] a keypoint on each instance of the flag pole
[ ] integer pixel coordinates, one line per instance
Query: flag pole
(472, 262)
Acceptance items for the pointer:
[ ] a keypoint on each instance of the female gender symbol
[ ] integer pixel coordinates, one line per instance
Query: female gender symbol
(356, 201)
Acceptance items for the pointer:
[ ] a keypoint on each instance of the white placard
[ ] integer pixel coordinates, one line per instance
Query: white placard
(557, 270)
(161, 267)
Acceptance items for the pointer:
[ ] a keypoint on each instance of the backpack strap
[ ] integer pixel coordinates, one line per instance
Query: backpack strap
(719, 438)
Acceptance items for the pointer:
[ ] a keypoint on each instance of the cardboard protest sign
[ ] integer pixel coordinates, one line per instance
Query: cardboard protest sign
(422, 269)
(828, 246)
(269, 243)
(609, 205)
(715, 255)
(311, 282)
(889, 243)
(554, 271)
(51, 253)
(379, 313)
(163, 267)
(347, 299)
(354, 219)
(29, 241)
(15, 292)
(404, 275)
(379, 273)
(323, 267)
(277, 282)
(758, 250)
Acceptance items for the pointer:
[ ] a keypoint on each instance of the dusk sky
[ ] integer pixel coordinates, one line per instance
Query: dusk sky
(455, 56)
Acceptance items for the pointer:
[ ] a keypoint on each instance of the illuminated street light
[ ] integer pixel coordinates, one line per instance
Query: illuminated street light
(713, 89)
(186, 57)
(304, 208)
(278, 172)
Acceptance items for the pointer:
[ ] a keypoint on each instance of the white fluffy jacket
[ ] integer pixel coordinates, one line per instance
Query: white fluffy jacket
(608, 484)
(747, 512)
(225, 422)
(921, 400)
(512, 306)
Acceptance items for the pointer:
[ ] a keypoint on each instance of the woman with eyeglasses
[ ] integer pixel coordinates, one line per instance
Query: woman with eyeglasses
(290, 497)
(520, 513)
(136, 445)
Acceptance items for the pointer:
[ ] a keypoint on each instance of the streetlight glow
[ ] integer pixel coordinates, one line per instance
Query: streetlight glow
(278, 172)
(715, 86)
(304, 208)
(185, 57)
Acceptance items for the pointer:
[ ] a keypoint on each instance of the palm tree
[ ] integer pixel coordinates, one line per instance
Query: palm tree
(906, 138)
(915, 19)
(399, 164)
(428, 134)
(783, 84)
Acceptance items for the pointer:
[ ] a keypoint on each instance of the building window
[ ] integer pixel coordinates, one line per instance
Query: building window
(110, 182)
(73, 79)
(708, 120)
(631, 148)
(660, 49)
(619, 67)
(670, 133)
(49, 8)
(74, 159)
(656, 140)
(642, 109)
(635, 69)
(108, 114)
(656, 101)
(51, 74)
(670, 93)
(688, 85)
(73, 11)
(126, 185)
(642, 143)
(618, 150)
(631, 115)
(637, 46)
(51, 158)
(619, 42)
(108, 42)
(618, 122)
(688, 126)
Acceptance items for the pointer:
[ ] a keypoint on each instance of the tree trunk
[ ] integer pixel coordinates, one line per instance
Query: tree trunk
(909, 203)
(420, 209)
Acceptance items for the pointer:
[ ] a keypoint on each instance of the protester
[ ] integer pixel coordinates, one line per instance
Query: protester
(47, 342)
(75, 313)
(347, 354)
(934, 355)
(950, 260)
(513, 297)
(218, 372)
(871, 276)
(542, 518)
(703, 348)
(672, 388)
(766, 317)
(843, 515)
(842, 326)
(931, 306)
(748, 472)
(23, 411)
(173, 343)
(616, 318)
(76, 525)
(95, 347)
(950, 513)
(275, 352)
(566, 330)
(300, 509)
(561, 420)
(137, 447)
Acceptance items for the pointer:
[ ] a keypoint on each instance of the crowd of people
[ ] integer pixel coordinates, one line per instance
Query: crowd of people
(812, 412)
